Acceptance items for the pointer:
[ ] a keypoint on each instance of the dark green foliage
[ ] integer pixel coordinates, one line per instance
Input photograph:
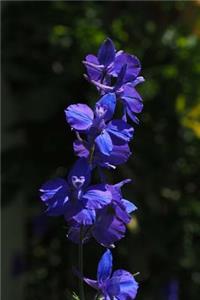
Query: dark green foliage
(43, 44)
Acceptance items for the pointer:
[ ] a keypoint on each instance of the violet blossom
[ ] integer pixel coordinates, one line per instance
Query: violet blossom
(119, 285)
(110, 222)
(119, 75)
(72, 197)
(99, 130)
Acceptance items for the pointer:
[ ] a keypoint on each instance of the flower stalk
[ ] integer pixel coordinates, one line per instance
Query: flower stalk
(80, 263)
(102, 142)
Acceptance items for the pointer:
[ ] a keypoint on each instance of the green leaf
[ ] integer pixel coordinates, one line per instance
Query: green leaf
(75, 297)
(72, 295)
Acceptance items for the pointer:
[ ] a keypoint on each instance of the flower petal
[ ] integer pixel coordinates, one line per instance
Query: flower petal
(55, 194)
(72, 209)
(79, 116)
(138, 80)
(103, 88)
(58, 207)
(129, 206)
(120, 77)
(133, 66)
(109, 102)
(97, 196)
(120, 184)
(122, 285)
(107, 297)
(92, 283)
(132, 98)
(84, 217)
(104, 267)
(118, 206)
(106, 53)
(104, 143)
(80, 149)
(94, 69)
(132, 116)
(119, 155)
(116, 189)
(120, 131)
(121, 213)
(51, 187)
(108, 229)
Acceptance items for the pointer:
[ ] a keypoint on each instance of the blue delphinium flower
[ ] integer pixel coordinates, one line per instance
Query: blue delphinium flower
(110, 222)
(100, 131)
(119, 285)
(73, 198)
(121, 68)
(108, 65)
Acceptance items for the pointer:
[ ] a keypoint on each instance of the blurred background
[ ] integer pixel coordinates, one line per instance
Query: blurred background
(43, 44)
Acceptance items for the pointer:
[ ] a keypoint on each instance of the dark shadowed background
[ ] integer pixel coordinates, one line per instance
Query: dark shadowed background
(43, 44)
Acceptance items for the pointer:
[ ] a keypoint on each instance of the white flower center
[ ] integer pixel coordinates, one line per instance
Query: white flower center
(100, 110)
(78, 181)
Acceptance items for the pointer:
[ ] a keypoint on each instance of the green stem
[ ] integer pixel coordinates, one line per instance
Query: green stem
(80, 262)
(97, 296)
(91, 154)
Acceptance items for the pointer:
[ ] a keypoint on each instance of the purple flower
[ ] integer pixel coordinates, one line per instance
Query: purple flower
(116, 72)
(110, 224)
(106, 230)
(110, 221)
(101, 133)
(108, 64)
(119, 285)
(73, 198)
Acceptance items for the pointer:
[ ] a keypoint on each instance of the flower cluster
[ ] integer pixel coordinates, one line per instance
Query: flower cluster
(102, 141)
(116, 72)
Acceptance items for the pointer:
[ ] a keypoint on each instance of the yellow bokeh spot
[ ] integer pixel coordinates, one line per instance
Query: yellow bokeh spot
(180, 103)
(192, 120)
(133, 225)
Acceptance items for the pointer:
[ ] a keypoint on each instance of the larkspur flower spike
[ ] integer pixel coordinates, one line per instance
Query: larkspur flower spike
(102, 141)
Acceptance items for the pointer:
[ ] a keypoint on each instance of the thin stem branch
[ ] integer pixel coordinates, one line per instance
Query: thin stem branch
(79, 137)
(80, 262)
(97, 296)
(91, 154)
